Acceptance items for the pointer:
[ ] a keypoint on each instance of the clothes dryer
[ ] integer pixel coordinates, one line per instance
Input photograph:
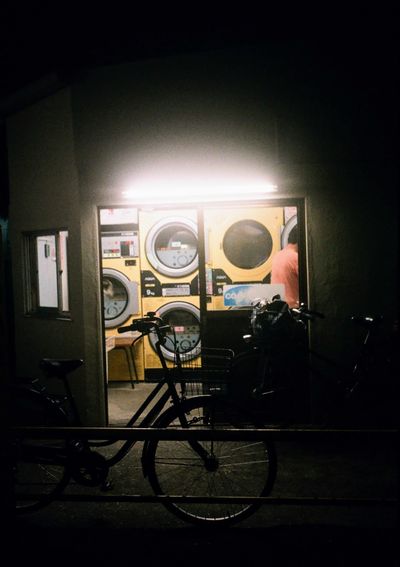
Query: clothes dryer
(240, 243)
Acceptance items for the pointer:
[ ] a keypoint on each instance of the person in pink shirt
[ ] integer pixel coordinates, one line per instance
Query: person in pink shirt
(285, 269)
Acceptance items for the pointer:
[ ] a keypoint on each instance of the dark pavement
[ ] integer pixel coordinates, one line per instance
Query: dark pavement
(327, 546)
(100, 533)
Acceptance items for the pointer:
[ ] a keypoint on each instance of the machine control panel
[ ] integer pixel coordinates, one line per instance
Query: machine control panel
(120, 244)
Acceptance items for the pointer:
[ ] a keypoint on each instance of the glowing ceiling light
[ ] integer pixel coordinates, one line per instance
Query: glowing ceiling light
(182, 191)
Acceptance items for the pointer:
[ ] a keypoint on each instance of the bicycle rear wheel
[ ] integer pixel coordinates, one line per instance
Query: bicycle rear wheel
(38, 478)
(39, 465)
(233, 468)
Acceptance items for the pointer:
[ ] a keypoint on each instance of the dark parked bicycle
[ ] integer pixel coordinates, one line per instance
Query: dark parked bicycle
(272, 377)
(44, 468)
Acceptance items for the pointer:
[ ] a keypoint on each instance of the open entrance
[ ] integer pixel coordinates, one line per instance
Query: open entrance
(199, 267)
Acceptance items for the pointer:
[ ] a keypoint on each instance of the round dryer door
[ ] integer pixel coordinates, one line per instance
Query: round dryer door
(184, 337)
(119, 295)
(289, 226)
(172, 246)
(247, 244)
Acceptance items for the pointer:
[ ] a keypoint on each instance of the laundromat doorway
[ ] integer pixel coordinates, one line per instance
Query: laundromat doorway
(199, 267)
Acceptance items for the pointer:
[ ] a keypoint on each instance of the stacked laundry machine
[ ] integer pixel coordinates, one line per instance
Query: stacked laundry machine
(121, 287)
(150, 263)
(169, 252)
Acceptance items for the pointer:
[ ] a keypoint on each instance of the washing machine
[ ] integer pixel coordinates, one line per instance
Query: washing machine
(169, 278)
(183, 316)
(168, 253)
(121, 297)
(120, 277)
(240, 243)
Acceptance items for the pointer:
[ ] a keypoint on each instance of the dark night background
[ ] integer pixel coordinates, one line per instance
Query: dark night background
(346, 88)
(340, 89)
(346, 99)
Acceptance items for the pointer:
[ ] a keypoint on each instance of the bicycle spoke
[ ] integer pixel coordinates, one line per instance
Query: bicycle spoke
(227, 468)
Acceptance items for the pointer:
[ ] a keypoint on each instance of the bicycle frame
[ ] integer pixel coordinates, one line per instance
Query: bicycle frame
(211, 467)
(356, 373)
(346, 381)
(170, 394)
(78, 453)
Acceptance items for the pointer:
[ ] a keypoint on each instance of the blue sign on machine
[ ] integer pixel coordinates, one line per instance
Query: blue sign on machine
(244, 295)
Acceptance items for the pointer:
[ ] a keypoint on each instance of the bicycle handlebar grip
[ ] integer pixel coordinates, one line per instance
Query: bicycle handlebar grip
(125, 329)
(304, 313)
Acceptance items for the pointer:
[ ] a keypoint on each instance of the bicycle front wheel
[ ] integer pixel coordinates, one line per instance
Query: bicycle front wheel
(225, 469)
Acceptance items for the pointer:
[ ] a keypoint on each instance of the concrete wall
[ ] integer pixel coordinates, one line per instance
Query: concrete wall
(44, 194)
(229, 114)
(174, 118)
(246, 114)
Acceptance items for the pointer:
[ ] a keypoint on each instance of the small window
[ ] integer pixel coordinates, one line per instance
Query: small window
(47, 273)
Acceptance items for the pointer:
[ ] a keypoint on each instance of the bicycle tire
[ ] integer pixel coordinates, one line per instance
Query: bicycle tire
(243, 468)
(39, 465)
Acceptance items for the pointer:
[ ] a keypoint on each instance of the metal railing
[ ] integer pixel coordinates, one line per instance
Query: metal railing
(267, 434)
(154, 433)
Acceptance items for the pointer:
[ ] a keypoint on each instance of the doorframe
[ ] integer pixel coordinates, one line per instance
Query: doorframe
(200, 208)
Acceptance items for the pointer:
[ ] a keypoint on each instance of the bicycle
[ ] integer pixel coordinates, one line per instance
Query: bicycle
(273, 375)
(43, 469)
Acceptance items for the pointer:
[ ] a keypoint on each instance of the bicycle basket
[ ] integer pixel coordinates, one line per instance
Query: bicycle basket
(204, 371)
(272, 321)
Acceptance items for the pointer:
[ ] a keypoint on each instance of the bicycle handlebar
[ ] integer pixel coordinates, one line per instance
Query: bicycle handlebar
(146, 325)
(303, 313)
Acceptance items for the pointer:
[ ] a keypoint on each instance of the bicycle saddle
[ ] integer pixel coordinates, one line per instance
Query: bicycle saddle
(59, 367)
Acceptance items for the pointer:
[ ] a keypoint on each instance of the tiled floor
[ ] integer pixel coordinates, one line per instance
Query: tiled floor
(123, 400)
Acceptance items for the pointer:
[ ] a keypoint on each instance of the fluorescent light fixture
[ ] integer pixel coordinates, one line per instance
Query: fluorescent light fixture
(199, 191)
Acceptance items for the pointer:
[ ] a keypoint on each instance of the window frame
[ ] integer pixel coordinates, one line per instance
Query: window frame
(32, 307)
